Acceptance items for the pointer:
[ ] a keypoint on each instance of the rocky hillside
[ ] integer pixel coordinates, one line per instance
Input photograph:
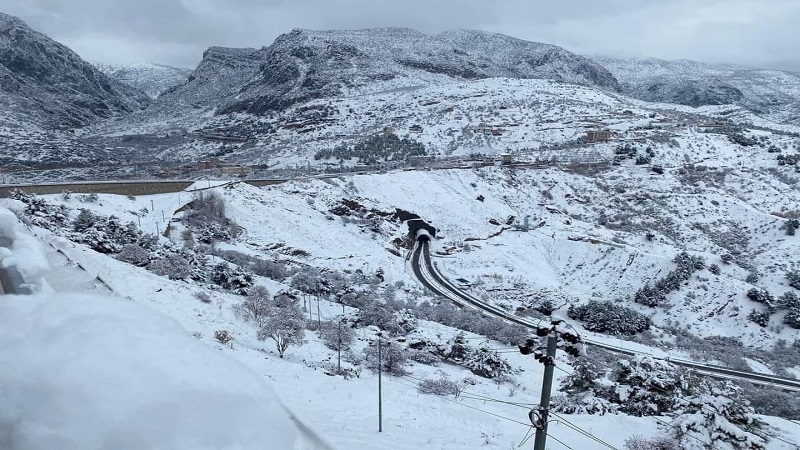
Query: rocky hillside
(51, 86)
(517, 58)
(150, 78)
(769, 93)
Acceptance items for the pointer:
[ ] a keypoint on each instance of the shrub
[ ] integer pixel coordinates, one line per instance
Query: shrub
(134, 254)
(424, 357)
(656, 295)
(202, 296)
(173, 266)
(794, 278)
(232, 278)
(608, 317)
(759, 317)
(255, 307)
(636, 442)
(487, 363)
(442, 387)
(792, 319)
(223, 336)
(393, 357)
(713, 268)
(337, 335)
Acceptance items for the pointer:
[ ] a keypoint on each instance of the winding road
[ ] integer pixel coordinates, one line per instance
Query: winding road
(430, 277)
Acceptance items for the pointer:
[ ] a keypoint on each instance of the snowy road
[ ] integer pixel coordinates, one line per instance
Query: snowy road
(428, 274)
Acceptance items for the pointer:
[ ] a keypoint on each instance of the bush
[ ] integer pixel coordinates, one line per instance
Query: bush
(223, 336)
(636, 442)
(656, 295)
(713, 268)
(336, 334)
(202, 296)
(255, 307)
(442, 387)
(487, 363)
(134, 254)
(424, 357)
(393, 357)
(608, 317)
(794, 278)
(234, 278)
(792, 319)
(759, 317)
(173, 266)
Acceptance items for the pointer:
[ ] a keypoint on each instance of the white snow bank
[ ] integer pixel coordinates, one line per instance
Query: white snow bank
(26, 252)
(8, 223)
(85, 372)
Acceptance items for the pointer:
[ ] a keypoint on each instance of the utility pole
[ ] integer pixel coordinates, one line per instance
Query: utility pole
(547, 385)
(380, 396)
(339, 347)
(574, 346)
(319, 316)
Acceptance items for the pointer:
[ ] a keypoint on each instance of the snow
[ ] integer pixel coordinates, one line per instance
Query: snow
(87, 372)
(25, 252)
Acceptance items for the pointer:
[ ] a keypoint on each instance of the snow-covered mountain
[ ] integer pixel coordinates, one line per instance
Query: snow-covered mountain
(772, 94)
(150, 78)
(49, 84)
(45, 88)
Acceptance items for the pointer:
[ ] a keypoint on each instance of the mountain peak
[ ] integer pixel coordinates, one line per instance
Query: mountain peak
(8, 22)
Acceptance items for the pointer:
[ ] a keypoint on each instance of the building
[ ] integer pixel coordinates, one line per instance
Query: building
(599, 135)
(237, 170)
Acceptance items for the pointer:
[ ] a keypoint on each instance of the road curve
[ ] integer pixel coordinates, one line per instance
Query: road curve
(430, 277)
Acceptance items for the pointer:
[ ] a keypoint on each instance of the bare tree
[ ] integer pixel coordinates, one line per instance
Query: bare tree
(286, 326)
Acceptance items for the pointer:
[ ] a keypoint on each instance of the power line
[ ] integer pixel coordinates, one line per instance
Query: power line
(559, 441)
(472, 407)
(481, 397)
(582, 431)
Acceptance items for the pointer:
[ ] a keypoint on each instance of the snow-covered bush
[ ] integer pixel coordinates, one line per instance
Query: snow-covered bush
(134, 254)
(394, 322)
(608, 317)
(792, 318)
(715, 415)
(487, 363)
(794, 278)
(202, 296)
(256, 306)
(441, 386)
(172, 265)
(714, 268)
(275, 270)
(761, 318)
(233, 278)
(103, 234)
(424, 357)
(394, 358)
(656, 294)
(636, 442)
(40, 213)
(223, 336)
(337, 334)
(207, 219)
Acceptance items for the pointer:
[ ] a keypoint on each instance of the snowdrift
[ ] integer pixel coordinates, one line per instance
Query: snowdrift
(86, 372)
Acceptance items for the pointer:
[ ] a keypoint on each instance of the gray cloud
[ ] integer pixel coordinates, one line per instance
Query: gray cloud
(752, 32)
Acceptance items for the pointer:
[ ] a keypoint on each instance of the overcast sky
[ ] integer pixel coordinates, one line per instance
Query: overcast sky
(760, 33)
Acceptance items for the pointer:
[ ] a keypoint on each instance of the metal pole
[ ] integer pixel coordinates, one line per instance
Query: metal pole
(547, 385)
(319, 316)
(339, 347)
(380, 397)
